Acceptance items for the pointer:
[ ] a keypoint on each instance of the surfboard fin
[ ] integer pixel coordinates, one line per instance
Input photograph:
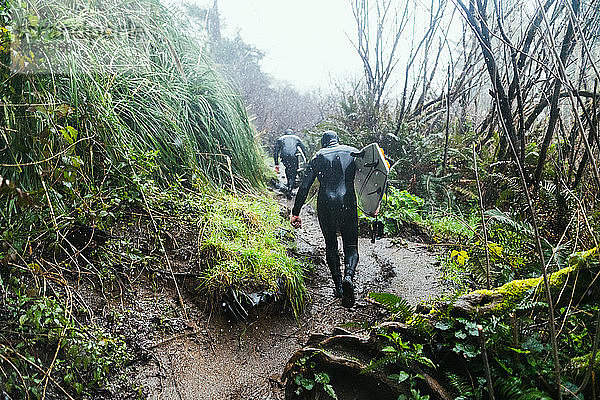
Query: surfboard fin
(376, 230)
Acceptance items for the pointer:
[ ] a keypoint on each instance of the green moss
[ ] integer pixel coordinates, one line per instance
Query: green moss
(514, 291)
(560, 277)
(507, 296)
(486, 292)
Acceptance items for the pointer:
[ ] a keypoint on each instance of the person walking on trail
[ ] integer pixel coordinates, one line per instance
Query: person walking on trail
(335, 168)
(287, 146)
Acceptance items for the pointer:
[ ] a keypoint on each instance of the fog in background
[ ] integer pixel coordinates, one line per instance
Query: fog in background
(304, 42)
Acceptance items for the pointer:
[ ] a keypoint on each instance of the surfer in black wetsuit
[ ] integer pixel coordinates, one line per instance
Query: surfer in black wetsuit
(334, 166)
(287, 146)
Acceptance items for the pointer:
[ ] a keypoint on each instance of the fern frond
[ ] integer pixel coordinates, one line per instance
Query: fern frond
(465, 192)
(506, 220)
(419, 323)
(519, 227)
(508, 388)
(459, 384)
(513, 388)
(534, 394)
(549, 187)
(528, 305)
(381, 362)
(401, 309)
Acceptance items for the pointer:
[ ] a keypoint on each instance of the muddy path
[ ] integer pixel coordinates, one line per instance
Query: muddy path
(208, 357)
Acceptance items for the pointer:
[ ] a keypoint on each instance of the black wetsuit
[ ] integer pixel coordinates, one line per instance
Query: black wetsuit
(334, 167)
(287, 147)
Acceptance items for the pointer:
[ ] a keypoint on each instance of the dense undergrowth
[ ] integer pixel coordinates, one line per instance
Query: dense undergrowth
(495, 307)
(515, 332)
(435, 196)
(210, 239)
(123, 154)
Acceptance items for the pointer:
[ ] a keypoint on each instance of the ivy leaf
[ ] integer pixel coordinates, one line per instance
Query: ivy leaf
(400, 377)
(468, 350)
(444, 326)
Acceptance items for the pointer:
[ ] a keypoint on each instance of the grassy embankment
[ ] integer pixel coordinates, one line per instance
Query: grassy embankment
(114, 120)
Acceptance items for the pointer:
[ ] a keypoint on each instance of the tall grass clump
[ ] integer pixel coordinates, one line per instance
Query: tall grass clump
(107, 106)
(101, 99)
(93, 85)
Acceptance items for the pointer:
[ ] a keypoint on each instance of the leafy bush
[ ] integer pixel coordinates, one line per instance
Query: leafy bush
(38, 328)
(398, 207)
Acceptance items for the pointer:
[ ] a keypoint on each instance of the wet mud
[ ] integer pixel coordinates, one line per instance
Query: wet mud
(209, 357)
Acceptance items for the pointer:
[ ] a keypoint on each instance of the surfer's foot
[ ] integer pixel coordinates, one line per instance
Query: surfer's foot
(348, 298)
(337, 281)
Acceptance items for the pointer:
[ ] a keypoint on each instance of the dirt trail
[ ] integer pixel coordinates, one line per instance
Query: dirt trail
(215, 359)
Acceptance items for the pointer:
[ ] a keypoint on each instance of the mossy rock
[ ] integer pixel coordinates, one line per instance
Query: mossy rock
(577, 279)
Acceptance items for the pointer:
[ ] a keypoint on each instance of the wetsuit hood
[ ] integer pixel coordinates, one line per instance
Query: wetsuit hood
(329, 138)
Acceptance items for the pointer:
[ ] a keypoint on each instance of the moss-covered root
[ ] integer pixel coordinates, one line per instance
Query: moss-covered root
(577, 282)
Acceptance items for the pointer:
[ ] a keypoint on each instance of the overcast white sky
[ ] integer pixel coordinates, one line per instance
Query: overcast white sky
(304, 41)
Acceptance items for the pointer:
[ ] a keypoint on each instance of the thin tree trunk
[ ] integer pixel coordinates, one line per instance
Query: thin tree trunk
(447, 126)
(566, 49)
(485, 236)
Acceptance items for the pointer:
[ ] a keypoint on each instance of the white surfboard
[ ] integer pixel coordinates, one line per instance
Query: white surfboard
(301, 167)
(371, 177)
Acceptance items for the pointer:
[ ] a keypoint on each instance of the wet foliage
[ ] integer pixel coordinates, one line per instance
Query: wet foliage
(121, 160)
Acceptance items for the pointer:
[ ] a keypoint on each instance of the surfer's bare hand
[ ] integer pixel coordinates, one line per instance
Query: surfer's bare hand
(296, 221)
(277, 168)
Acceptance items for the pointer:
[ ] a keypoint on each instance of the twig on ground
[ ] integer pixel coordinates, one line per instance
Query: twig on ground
(169, 340)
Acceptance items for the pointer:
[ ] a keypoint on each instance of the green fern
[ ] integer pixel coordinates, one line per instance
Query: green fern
(527, 304)
(534, 394)
(399, 352)
(508, 387)
(379, 363)
(465, 192)
(511, 388)
(461, 386)
(504, 219)
(419, 323)
(401, 309)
